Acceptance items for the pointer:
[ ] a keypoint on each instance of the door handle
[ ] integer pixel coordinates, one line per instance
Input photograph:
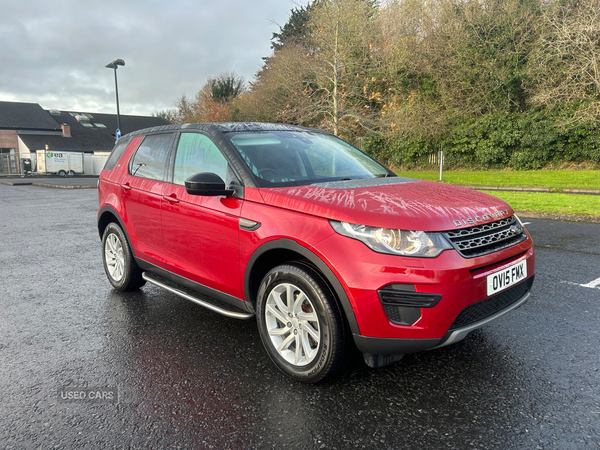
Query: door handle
(171, 198)
(126, 187)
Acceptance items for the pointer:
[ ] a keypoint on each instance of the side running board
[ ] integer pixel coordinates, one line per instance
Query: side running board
(233, 314)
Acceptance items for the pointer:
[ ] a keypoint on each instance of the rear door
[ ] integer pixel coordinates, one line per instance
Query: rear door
(142, 190)
(201, 233)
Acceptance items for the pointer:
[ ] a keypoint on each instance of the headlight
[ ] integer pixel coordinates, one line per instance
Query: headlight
(519, 220)
(394, 242)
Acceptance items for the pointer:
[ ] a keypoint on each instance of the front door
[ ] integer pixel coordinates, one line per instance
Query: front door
(200, 232)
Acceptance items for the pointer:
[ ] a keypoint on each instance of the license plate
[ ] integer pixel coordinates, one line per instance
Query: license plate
(506, 278)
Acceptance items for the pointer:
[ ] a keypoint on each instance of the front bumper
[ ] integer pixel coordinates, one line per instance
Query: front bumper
(387, 346)
(460, 283)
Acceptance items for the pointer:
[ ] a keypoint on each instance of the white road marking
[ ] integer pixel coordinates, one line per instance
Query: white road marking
(526, 223)
(592, 284)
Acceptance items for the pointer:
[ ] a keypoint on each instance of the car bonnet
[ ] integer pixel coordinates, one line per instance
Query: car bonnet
(394, 202)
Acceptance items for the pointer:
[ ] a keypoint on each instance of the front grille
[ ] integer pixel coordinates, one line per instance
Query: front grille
(491, 305)
(487, 238)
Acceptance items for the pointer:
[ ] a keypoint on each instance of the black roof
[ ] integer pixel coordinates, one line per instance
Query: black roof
(227, 127)
(90, 132)
(25, 116)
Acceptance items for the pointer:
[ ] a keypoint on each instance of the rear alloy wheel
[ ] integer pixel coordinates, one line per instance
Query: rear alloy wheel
(120, 267)
(300, 323)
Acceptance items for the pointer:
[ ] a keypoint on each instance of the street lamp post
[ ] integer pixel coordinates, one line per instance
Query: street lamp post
(114, 65)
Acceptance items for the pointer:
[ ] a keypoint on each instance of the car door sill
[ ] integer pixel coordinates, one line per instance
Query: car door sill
(151, 278)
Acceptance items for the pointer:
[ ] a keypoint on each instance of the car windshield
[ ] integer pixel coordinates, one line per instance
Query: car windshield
(295, 158)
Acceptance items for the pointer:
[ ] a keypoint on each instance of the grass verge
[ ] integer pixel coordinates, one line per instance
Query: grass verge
(552, 179)
(585, 205)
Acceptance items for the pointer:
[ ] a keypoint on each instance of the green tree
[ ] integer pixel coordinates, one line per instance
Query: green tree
(295, 30)
(478, 52)
(224, 87)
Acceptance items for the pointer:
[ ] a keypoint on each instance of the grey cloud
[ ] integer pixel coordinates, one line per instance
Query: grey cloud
(54, 53)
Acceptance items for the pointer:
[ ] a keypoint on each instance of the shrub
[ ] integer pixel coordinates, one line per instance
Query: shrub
(521, 141)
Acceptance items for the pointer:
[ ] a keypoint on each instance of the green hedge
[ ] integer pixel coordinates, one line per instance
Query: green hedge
(518, 140)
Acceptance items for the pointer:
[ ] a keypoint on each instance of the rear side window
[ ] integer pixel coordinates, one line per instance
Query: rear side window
(197, 153)
(150, 160)
(116, 154)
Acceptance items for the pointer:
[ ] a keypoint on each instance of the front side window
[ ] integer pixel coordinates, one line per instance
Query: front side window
(197, 153)
(150, 160)
(294, 158)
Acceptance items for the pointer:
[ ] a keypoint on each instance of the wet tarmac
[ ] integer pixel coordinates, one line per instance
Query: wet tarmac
(189, 378)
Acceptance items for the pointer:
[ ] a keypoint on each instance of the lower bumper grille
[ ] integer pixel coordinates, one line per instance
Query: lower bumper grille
(491, 305)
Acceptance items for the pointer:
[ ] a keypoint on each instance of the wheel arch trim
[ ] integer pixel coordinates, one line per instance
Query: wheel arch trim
(104, 211)
(293, 246)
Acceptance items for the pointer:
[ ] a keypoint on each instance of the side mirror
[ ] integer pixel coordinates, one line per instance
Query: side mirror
(207, 183)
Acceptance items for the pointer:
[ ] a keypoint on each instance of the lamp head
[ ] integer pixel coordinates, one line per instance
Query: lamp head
(115, 63)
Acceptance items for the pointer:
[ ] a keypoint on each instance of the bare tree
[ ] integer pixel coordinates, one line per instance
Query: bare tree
(167, 114)
(410, 96)
(340, 41)
(186, 110)
(565, 66)
(280, 92)
(321, 81)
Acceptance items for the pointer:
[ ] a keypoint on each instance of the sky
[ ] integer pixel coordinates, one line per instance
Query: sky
(54, 53)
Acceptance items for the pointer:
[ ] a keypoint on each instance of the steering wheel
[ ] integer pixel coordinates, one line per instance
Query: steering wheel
(267, 174)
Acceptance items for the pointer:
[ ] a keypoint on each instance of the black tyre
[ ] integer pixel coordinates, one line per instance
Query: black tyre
(300, 323)
(62, 173)
(120, 267)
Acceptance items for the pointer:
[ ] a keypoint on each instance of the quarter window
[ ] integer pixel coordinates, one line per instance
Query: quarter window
(150, 160)
(116, 154)
(197, 153)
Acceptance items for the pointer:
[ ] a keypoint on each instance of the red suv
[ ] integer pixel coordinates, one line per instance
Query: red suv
(319, 242)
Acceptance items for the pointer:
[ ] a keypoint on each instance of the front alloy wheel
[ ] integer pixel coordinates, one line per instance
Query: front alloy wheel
(293, 324)
(300, 323)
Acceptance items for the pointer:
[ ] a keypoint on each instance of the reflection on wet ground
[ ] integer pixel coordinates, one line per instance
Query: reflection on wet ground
(189, 378)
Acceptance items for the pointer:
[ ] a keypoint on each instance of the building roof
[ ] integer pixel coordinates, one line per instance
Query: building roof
(90, 132)
(25, 116)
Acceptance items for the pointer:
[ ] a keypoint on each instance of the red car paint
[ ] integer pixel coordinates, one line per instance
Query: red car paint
(425, 206)
(199, 238)
(362, 272)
